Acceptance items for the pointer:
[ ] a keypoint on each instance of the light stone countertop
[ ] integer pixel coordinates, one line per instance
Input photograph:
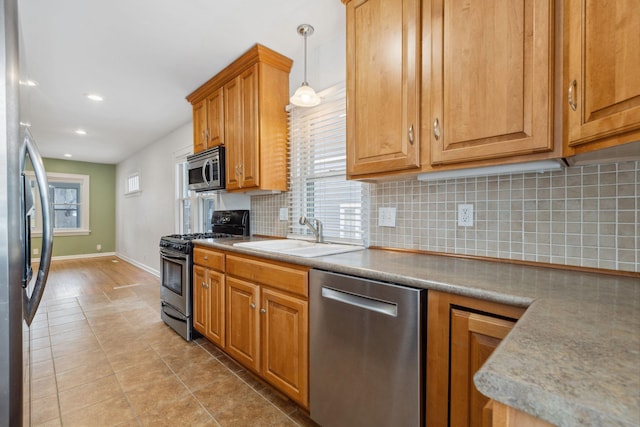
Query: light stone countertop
(573, 359)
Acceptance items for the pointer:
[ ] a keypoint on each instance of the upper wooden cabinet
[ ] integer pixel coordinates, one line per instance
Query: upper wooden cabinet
(208, 122)
(243, 107)
(489, 86)
(439, 84)
(383, 75)
(601, 75)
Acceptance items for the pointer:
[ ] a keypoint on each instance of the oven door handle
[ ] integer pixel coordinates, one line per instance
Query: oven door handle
(180, 319)
(178, 258)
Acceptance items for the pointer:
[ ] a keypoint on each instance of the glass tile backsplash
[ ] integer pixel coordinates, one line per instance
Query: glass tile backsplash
(583, 215)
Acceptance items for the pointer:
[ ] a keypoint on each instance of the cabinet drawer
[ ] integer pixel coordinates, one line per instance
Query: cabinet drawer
(288, 277)
(208, 258)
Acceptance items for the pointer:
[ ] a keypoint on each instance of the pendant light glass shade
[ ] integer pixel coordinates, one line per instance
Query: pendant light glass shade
(305, 96)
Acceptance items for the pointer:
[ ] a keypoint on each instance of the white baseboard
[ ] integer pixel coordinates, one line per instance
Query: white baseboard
(63, 257)
(139, 265)
(102, 254)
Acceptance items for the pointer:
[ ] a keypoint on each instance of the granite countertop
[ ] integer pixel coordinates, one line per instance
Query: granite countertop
(573, 359)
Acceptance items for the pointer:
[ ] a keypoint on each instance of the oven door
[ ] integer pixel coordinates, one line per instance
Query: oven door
(175, 280)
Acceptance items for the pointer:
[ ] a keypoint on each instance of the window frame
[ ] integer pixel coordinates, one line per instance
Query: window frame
(317, 137)
(84, 181)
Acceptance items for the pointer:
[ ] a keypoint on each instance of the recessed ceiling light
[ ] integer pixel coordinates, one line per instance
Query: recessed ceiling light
(68, 155)
(81, 131)
(25, 124)
(94, 97)
(29, 83)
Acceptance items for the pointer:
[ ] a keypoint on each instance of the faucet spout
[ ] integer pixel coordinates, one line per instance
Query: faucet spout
(316, 227)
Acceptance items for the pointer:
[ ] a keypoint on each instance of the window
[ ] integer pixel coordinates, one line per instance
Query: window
(319, 188)
(69, 196)
(193, 210)
(133, 184)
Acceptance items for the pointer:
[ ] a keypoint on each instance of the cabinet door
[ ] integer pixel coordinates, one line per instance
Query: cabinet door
(383, 69)
(602, 80)
(215, 330)
(473, 339)
(243, 339)
(491, 88)
(200, 300)
(249, 165)
(199, 126)
(285, 344)
(233, 131)
(215, 119)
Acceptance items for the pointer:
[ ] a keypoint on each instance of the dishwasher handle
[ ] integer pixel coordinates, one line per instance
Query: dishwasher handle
(368, 303)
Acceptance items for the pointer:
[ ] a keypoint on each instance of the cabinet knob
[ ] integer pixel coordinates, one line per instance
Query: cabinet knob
(572, 88)
(252, 305)
(411, 134)
(206, 258)
(263, 310)
(204, 285)
(436, 129)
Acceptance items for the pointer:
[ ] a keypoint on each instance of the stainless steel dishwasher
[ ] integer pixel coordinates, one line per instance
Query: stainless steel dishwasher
(367, 344)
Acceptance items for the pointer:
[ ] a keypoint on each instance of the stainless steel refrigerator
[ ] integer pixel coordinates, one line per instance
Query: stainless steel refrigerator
(20, 290)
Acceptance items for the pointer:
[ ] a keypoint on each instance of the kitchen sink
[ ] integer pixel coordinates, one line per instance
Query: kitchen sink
(301, 248)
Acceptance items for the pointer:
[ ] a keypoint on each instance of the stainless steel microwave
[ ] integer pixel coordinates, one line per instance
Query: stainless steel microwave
(206, 170)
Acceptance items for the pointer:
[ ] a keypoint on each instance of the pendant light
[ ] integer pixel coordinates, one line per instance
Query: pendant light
(305, 96)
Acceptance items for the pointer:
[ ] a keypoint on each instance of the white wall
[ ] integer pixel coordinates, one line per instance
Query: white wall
(142, 219)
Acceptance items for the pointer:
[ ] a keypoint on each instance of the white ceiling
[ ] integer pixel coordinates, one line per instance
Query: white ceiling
(143, 57)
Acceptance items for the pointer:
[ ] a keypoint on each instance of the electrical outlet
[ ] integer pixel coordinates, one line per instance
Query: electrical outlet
(284, 214)
(387, 217)
(98, 247)
(36, 251)
(465, 215)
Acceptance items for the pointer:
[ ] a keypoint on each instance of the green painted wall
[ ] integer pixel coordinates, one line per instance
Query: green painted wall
(102, 206)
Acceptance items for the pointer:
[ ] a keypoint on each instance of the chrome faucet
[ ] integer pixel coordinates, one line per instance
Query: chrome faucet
(317, 230)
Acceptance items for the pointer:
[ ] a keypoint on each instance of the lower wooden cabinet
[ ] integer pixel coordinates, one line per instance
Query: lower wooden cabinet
(209, 295)
(260, 311)
(500, 415)
(462, 333)
(285, 343)
(243, 327)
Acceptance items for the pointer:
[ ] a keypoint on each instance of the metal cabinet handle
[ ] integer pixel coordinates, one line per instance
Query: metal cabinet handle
(572, 87)
(32, 302)
(411, 134)
(436, 129)
(204, 285)
(202, 135)
(263, 310)
(252, 305)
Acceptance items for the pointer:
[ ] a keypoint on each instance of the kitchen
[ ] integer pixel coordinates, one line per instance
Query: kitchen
(521, 216)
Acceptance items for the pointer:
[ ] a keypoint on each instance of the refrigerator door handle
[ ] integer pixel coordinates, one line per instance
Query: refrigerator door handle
(32, 302)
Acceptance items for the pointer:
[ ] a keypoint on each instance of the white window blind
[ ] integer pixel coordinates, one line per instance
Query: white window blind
(319, 188)
(133, 183)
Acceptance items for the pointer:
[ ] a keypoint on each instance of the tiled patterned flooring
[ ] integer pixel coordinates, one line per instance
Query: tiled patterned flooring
(102, 357)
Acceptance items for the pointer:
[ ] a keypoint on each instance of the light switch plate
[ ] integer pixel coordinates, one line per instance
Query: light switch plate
(284, 214)
(387, 217)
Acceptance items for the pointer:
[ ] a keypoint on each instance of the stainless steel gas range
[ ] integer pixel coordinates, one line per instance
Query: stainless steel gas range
(176, 268)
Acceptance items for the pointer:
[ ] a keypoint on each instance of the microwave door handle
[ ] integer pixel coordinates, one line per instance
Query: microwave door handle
(204, 172)
(31, 303)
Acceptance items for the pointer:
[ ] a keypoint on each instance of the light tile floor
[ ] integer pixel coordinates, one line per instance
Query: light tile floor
(105, 358)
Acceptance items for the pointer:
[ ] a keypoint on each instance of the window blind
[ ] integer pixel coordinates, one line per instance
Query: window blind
(318, 185)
